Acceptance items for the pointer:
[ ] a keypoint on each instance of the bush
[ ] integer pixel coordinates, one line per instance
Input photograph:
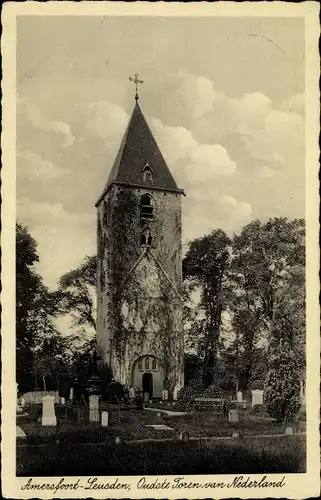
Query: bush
(282, 392)
(255, 384)
(186, 396)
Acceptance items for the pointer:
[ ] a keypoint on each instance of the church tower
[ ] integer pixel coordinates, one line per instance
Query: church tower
(139, 303)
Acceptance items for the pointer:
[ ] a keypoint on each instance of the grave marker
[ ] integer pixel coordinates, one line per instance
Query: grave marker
(257, 397)
(165, 395)
(175, 393)
(233, 416)
(184, 436)
(104, 419)
(146, 397)
(48, 411)
(239, 396)
(93, 408)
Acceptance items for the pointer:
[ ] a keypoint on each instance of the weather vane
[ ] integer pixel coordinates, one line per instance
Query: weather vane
(136, 81)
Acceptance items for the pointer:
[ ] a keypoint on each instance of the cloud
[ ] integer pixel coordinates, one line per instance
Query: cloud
(210, 209)
(191, 161)
(105, 119)
(294, 104)
(33, 168)
(64, 238)
(265, 172)
(29, 113)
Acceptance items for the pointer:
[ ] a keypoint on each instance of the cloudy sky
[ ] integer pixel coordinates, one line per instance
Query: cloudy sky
(223, 96)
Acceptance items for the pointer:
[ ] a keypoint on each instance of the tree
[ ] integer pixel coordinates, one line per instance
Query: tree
(265, 256)
(35, 306)
(52, 362)
(282, 389)
(78, 289)
(205, 268)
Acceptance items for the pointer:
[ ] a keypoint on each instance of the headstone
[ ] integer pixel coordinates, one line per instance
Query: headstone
(239, 396)
(159, 414)
(289, 431)
(146, 397)
(175, 393)
(233, 416)
(131, 393)
(48, 411)
(71, 394)
(235, 435)
(257, 397)
(94, 408)
(117, 440)
(184, 436)
(104, 419)
(62, 401)
(165, 395)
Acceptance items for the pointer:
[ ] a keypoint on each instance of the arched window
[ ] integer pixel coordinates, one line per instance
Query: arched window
(146, 239)
(146, 207)
(154, 366)
(140, 364)
(146, 363)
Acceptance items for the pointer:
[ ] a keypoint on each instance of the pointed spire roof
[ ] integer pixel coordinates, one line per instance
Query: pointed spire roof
(138, 149)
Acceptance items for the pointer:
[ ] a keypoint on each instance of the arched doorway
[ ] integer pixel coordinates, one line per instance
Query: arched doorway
(147, 383)
(147, 375)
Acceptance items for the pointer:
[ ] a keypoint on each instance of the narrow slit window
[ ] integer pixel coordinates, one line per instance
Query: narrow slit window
(146, 363)
(146, 207)
(146, 238)
(140, 364)
(154, 366)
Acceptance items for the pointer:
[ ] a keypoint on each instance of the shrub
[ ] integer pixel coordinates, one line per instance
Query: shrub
(282, 392)
(186, 396)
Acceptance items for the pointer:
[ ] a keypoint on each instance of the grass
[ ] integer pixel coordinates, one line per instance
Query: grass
(131, 425)
(282, 455)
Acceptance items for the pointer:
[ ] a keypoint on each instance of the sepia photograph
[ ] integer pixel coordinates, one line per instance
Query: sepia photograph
(161, 252)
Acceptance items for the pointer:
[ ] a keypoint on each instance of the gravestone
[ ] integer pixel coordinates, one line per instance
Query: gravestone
(235, 435)
(233, 416)
(165, 395)
(146, 397)
(257, 397)
(184, 436)
(71, 394)
(48, 411)
(239, 396)
(94, 408)
(175, 393)
(104, 419)
(117, 440)
(62, 401)
(289, 431)
(131, 393)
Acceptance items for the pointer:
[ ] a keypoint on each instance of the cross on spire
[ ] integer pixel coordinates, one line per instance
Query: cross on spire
(136, 81)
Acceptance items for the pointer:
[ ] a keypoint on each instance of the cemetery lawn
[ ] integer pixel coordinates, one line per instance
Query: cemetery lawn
(257, 455)
(131, 425)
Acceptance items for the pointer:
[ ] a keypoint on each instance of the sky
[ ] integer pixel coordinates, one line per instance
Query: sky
(224, 98)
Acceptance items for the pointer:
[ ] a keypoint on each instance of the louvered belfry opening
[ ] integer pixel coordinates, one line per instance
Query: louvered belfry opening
(146, 207)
